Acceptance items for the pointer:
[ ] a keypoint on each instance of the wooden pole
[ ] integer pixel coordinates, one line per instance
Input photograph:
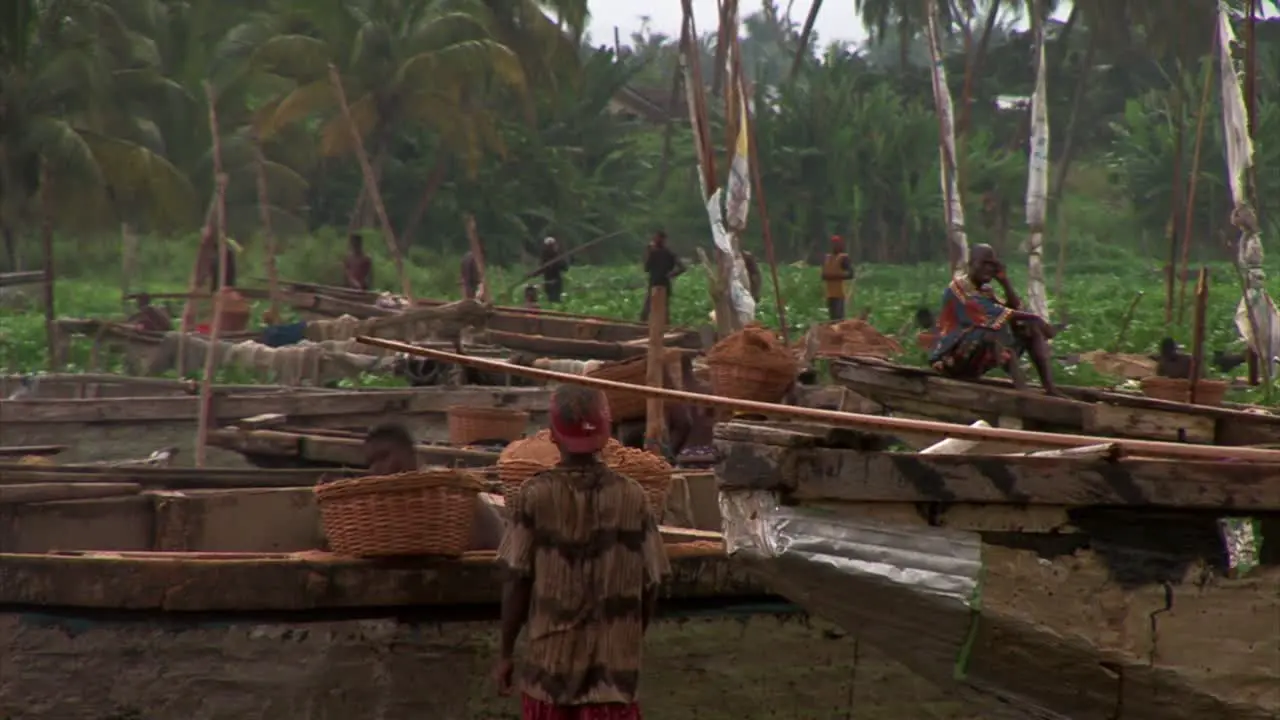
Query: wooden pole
(1195, 172)
(753, 154)
(215, 332)
(371, 183)
(189, 308)
(46, 242)
(873, 423)
(264, 209)
(1197, 333)
(655, 419)
(477, 253)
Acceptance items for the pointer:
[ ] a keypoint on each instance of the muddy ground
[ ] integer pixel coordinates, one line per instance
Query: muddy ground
(722, 669)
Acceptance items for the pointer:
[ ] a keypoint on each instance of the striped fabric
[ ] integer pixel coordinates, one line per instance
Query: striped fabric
(586, 537)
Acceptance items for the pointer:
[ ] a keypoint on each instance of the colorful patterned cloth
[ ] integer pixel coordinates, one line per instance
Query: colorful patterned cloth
(537, 710)
(587, 539)
(975, 331)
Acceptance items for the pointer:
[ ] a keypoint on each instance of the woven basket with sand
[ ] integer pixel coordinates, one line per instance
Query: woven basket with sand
(856, 338)
(427, 512)
(628, 405)
(1208, 392)
(523, 459)
(1125, 365)
(752, 364)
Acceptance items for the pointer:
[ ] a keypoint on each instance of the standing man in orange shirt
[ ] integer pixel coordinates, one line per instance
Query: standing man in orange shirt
(836, 269)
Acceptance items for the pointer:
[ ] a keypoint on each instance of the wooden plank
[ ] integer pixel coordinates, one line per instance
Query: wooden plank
(1121, 421)
(303, 582)
(343, 450)
(855, 476)
(294, 405)
(29, 450)
(166, 478)
(50, 492)
(921, 390)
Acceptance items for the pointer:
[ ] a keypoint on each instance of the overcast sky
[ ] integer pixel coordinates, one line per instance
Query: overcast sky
(836, 20)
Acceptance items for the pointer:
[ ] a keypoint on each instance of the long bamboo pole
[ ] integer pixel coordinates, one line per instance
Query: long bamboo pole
(1197, 334)
(1149, 448)
(46, 245)
(655, 419)
(215, 332)
(371, 183)
(1195, 173)
(264, 209)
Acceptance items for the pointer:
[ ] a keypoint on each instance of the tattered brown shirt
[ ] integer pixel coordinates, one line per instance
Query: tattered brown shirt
(587, 538)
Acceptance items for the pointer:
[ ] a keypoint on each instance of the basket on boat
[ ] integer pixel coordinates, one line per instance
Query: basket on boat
(427, 512)
(855, 337)
(468, 425)
(752, 364)
(926, 339)
(523, 459)
(625, 405)
(1208, 392)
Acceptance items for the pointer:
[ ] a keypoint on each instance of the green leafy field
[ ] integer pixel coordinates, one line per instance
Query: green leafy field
(1093, 300)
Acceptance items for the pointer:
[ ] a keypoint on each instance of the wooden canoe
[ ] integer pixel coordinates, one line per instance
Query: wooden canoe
(133, 426)
(921, 392)
(295, 447)
(1066, 587)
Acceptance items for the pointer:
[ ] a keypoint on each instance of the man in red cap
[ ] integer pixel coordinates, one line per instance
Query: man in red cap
(836, 269)
(585, 561)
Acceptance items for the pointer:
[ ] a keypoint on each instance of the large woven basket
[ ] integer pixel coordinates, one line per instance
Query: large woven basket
(749, 382)
(468, 425)
(1208, 392)
(415, 513)
(523, 459)
(625, 405)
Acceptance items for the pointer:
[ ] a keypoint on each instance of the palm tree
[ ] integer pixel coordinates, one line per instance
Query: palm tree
(433, 64)
(69, 74)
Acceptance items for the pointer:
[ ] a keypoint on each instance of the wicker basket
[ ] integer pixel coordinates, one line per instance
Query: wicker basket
(513, 473)
(749, 382)
(468, 425)
(652, 472)
(624, 405)
(415, 513)
(1208, 392)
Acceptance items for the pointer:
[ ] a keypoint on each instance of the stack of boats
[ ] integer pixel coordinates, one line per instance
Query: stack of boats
(1128, 570)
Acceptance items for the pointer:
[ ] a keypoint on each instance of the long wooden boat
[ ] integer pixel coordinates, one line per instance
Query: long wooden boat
(318, 447)
(917, 391)
(130, 426)
(110, 385)
(1059, 587)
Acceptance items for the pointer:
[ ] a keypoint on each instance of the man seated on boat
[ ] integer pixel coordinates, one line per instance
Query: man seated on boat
(357, 268)
(389, 449)
(977, 332)
(149, 318)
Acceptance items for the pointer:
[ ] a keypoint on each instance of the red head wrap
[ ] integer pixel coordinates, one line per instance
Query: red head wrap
(584, 431)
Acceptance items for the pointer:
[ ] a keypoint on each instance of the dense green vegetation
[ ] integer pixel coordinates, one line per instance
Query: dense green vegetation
(504, 110)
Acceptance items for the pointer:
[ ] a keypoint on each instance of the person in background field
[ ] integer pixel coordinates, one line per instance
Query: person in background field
(584, 561)
(210, 266)
(531, 297)
(389, 449)
(553, 269)
(149, 318)
(753, 274)
(662, 266)
(978, 333)
(470, 275)
(836, 269)
(357, 267)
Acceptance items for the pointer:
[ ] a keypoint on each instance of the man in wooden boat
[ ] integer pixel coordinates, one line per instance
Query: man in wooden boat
(554, 266)
(836, 269)
(978, 333)
(389, 450)
(357, 268)
(662, 266)
(585, 560)
(149, 318)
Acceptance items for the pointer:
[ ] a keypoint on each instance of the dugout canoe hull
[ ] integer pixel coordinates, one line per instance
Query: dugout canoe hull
(1062, 588)
(919, 392)
(287, 447)
(110, 428)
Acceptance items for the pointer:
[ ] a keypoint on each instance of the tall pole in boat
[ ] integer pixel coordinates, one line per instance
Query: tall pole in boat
(46, 242)
(654, 417)
(215, 332)
(1197, 334)
(264, 209)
